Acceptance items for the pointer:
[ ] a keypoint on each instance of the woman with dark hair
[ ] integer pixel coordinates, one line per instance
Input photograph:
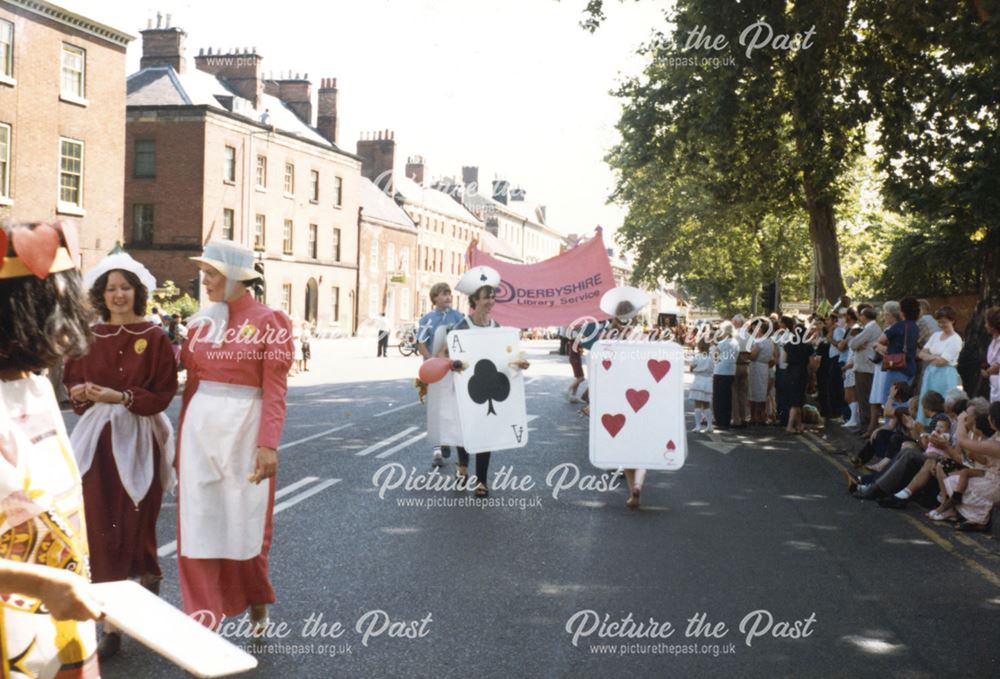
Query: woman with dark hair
(899, 345)
(124, 443)
(798, 352)
(940, 354)
(43, 558)
(238, 353)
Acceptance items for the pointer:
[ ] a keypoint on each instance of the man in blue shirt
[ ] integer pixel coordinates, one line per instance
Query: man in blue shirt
(441, 315)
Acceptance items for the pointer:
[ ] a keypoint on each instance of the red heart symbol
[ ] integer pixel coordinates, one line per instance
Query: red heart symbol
(613, 423)
(607, 364)
(72, 238)
(658, 368)
(36, 248)
(670, 445)
(637, 399)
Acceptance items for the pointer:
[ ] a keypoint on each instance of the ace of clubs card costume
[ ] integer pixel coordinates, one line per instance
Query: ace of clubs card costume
(483, 407)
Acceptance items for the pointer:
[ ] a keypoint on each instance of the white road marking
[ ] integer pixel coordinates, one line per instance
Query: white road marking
(531, 381)
(288, 445)
(397, 408)
(302, 496)
(400, 446)
(384, 442)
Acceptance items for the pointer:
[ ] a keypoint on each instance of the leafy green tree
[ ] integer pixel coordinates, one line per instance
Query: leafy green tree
(931, 71)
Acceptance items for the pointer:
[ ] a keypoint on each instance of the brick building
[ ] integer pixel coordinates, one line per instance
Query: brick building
(220, 151)
(62, 120)
(444, 227)
(387, 259)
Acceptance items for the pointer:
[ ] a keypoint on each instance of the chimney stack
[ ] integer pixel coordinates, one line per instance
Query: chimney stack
(500, 188)
(378, 158)
(163, 46)
(415, 169)
(327, 121)
(296, 92)
(241, 70)
(518, 194)
(470, 177)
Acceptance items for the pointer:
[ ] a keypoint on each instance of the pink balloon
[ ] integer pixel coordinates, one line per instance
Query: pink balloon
(434, 369)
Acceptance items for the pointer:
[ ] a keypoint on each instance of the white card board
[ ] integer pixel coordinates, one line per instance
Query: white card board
(489, 392)
(150, 620)
(637, 405)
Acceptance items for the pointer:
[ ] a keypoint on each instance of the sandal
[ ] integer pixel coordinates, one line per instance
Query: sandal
(969, 527)
(633, 498)
(482, 490)
(462, 472)
(853, 481)
(935, 515)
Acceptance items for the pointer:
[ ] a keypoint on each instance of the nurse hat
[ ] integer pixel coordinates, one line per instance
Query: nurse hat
(120, 261)
(477, 277)
(232, 260)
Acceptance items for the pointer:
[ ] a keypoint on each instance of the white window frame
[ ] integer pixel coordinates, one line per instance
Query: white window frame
(405, 260)
(259, 225)
(231, 226)
(229, 173)
(313, 241)
(390, 257)
(289, 181)
(373, 256)
(62, 206)
(7, 54)
(259, 180)
(338, 191)
(5, 198)
(73, 97)
(288, 236)
(314, 186)
(286, 298)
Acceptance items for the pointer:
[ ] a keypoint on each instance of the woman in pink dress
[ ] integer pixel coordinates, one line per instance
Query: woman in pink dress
(46, 620)
(123, 442)
(237, 354)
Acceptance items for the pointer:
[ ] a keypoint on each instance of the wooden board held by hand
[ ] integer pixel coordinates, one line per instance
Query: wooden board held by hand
(149, 619)
(637, 405)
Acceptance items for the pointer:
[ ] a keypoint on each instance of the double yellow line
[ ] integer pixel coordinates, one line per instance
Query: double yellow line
(818, 445)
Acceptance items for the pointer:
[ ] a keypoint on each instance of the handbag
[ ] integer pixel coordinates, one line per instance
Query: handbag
(896, 361)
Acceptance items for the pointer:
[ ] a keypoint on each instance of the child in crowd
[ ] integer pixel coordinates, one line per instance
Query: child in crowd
(849, 393)
(703, 366)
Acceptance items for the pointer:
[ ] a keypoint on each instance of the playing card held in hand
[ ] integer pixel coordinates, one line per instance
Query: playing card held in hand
(637, 405)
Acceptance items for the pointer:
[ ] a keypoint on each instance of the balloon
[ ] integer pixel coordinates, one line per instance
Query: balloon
(434, 369)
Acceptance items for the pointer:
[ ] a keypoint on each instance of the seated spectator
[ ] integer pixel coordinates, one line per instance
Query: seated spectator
(981, 442)
(879, 442)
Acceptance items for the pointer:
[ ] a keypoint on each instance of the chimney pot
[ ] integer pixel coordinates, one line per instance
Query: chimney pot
(159, 19)
(149, 23)
(168, 21)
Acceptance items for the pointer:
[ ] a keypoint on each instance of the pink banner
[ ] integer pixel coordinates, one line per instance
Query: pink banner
(555, 292)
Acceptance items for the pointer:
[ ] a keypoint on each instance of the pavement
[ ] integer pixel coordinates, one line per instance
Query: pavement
(750, 561)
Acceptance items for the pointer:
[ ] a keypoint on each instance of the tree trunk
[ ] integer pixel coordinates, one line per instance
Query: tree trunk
(977, 339)
(823, 234)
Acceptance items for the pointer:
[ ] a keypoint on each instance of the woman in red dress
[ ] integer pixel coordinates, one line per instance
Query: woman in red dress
(123, 442)
(237, 354)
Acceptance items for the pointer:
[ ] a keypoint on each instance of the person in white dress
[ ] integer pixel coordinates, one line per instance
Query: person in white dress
(703, 367)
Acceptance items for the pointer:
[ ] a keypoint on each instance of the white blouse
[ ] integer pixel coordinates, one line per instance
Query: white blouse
(948, 349)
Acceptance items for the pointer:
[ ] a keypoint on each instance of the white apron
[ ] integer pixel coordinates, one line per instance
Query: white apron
(443, 426)
(130, 434)
(222, 514)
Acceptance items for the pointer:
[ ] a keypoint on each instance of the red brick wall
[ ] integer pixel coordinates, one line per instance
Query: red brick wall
(38, 118)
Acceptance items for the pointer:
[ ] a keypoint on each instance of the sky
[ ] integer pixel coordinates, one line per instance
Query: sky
(516, 88)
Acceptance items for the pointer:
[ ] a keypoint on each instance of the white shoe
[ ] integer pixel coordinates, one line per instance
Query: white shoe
(708, 430)
(438, 459)
(851, 423)
(696, 428)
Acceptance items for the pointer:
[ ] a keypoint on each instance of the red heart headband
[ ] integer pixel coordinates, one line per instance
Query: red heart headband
(37, 250)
